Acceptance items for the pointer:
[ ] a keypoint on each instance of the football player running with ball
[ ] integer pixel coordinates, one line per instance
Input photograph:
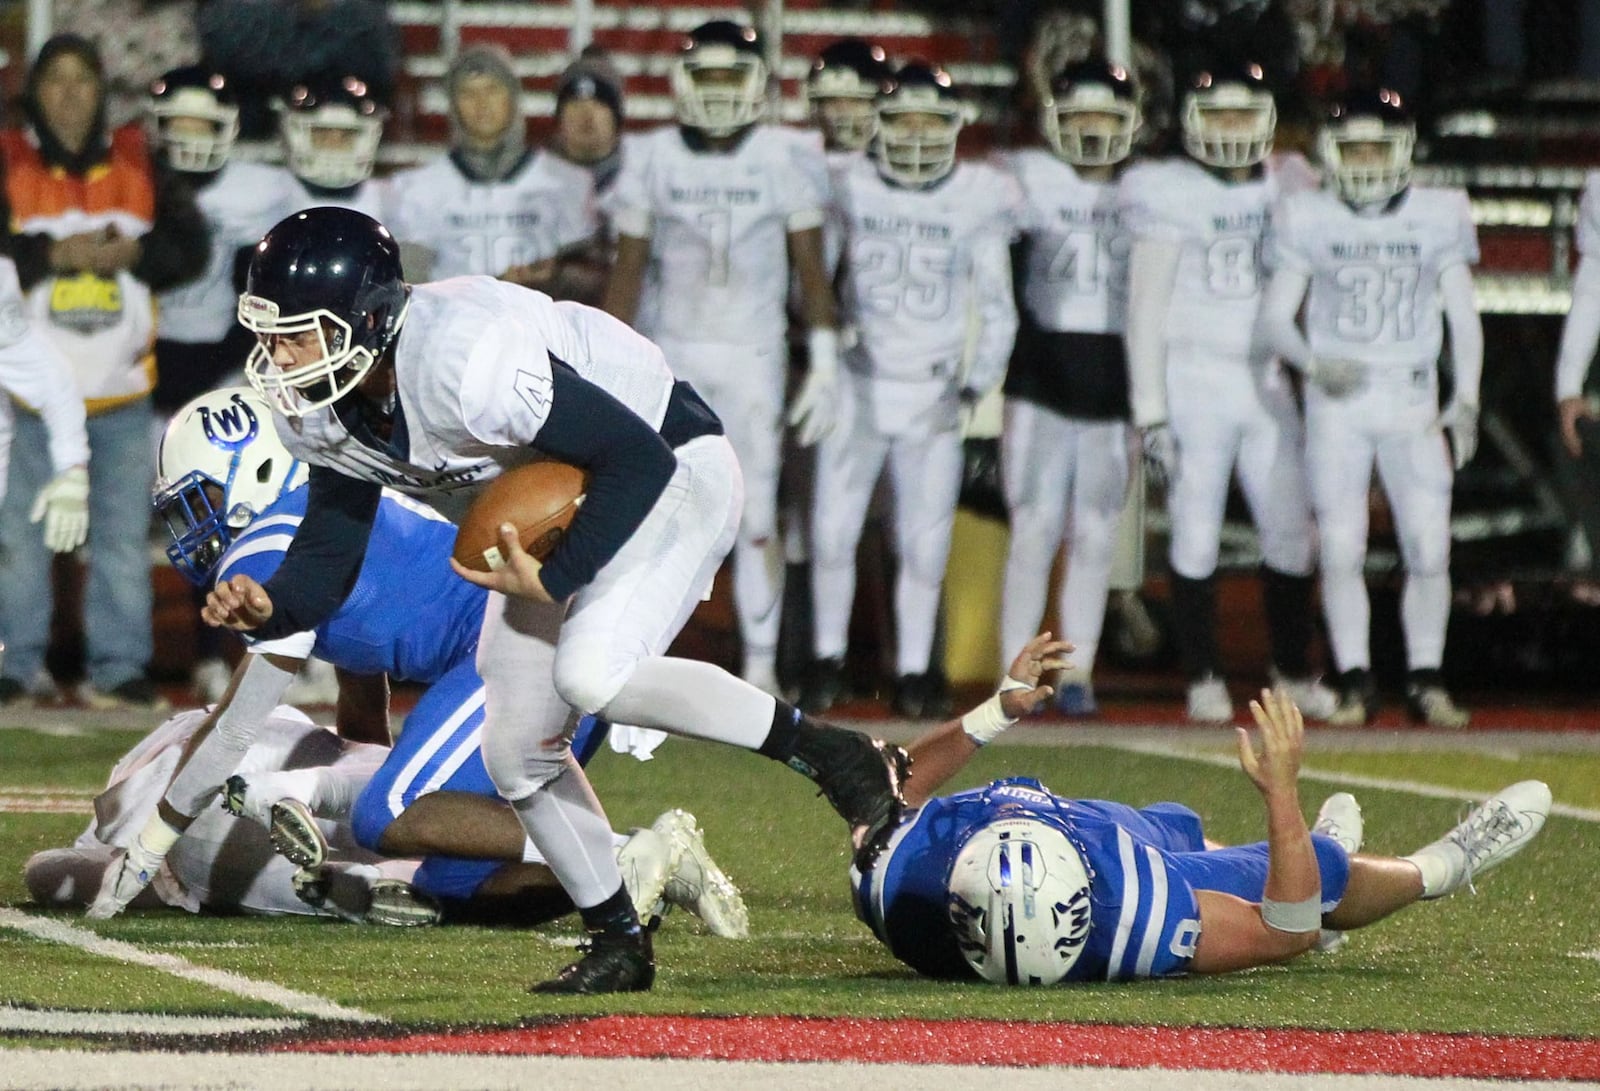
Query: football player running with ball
(1205, 398)
(1387, 265)
(433, 390)
(928, 288)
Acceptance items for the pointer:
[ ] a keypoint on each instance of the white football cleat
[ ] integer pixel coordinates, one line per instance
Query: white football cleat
(1315, 700)
(210, 680)
(697, 883)
(398, 904)
(1339, 818)
(316, 684)
(1208, 701)
(646, 860)
(296, 835)
(1491, 834)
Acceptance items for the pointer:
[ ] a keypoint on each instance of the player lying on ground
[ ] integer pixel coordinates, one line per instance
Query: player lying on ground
(233, 498)
(435, 389)
(225, 865)
(1011, 883)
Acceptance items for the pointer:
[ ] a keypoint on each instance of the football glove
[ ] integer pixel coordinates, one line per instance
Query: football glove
(1337, 378)
(1160, 453)
(63, 505)
(816, 407)
(1460, 420)
(133, 869)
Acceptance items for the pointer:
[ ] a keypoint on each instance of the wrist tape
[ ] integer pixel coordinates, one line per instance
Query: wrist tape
(1298, 917)
(989, 719)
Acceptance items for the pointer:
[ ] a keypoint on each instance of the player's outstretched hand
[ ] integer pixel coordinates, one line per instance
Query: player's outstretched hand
(238, 603)
(1040, 656)
(1571, 411)
(1282, 729)
(518, 573)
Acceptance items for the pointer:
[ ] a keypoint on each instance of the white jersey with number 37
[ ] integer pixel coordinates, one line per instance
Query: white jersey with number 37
(1076, 277)
(718, 224)
(1219, 226)
(1374, 277)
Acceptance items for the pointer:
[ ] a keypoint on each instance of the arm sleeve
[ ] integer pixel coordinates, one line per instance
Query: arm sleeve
(177, 246)
(1466, 330)
(996, 313)
(1277, 329)
(629, 466)
(1152, 270)
(1581, 332)
(628, 201)
(34, 371)
(322, 563)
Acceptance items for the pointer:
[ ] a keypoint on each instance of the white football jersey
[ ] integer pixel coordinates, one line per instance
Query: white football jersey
(718, 224)
(1588, 233)
(1076, 277)
(473, 372)
(1220, 227)
(483, 229)
(239, 205)
(1374, 291)
(923, 265)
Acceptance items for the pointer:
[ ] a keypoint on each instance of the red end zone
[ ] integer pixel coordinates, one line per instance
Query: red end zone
(975, 1042)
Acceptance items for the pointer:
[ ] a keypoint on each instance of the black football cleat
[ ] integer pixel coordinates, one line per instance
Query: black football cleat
(610, 964)
(822, 686)
(860, 775)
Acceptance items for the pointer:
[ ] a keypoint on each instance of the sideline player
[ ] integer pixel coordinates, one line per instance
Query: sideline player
(492, 205)
(1382, 266)
(33, 373)
(331, 129)
(1013, 884)
(713, 214)
(1067, 449)
(435, 389)
(1205, 397)
(927, 274)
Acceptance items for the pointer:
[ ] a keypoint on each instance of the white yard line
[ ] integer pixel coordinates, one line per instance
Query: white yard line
(1347, 780)
(52, 931)
(74, 1023)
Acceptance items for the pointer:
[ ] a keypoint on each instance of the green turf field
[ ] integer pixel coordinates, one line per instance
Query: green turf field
(1521, 957)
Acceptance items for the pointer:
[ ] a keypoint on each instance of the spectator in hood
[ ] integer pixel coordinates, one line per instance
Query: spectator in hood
(491, 206)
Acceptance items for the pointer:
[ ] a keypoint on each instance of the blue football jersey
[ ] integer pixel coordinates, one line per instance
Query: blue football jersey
(409, 615)
(1145, 918)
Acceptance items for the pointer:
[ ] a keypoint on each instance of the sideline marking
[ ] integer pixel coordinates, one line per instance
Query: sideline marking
(1011, 1043)
(1348, 780)
(298, 1002)
(58, 1021)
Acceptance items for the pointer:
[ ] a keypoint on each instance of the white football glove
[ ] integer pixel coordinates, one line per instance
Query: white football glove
(63, 505)
(816, 408)
(1337, 378)
(134, 869)
(1160, 453)
(1460, 419)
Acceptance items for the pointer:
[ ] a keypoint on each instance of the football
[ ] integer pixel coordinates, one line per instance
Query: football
(539, 499)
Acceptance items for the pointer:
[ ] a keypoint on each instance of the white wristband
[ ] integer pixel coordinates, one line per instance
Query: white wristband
(989, 719)
(822, 349)
(1296, 917)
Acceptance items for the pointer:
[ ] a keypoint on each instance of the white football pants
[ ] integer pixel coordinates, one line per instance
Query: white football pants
(539, 662)
(1066, 480)
(917, 435)
(1390, 424)
(744, 386)
(1224, 415)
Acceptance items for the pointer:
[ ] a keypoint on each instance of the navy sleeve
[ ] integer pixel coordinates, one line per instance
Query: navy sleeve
(322, 563)
(628, 464)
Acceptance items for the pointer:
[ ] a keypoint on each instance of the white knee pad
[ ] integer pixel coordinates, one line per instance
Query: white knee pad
(589, 676)
(1426, 555)
(1344, 554)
